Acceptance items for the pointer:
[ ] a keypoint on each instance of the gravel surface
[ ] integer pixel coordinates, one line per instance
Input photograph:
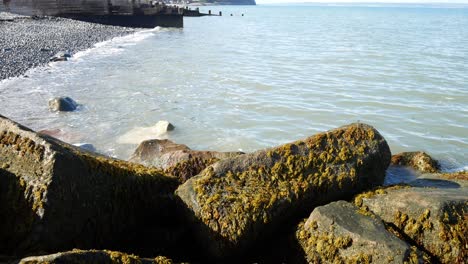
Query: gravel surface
(27, 42)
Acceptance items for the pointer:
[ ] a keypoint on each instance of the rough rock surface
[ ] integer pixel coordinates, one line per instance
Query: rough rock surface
(177, 159)
(419, 160)
(239, 202)
(93, 257)
(339, 233)
(62, 104)
(434, 219)
(53, 197)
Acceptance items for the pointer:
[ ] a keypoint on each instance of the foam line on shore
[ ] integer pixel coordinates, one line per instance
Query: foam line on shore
(115, 45)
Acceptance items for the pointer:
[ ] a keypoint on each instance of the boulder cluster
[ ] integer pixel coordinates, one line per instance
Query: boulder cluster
(316, 200)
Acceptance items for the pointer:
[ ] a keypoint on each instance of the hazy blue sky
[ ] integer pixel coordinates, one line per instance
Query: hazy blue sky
(364, 1)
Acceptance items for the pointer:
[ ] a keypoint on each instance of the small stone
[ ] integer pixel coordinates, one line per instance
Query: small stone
(62, 104)
(61, 56)
(418, 160)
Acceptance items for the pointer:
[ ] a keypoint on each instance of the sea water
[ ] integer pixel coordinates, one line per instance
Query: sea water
(276, 74)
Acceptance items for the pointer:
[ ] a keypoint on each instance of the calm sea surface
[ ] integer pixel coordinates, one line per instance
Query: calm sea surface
(276, 74)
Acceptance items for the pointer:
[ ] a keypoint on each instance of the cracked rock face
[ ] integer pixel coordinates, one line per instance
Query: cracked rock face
(237, 202)
(434, 219)
(339, 233)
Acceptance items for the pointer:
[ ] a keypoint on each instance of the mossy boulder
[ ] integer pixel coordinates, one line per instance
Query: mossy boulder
(54, 196)
(339, 233)
(176, 159)
(418, 160)
(433, 219)
(93, 257)
(239, 202)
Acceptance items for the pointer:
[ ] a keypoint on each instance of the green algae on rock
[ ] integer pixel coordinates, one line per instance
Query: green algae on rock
(339, 233)
(432, 219)
(93, 257)
(240, 201)
(53, 196)
(419, 161)
(176, 159)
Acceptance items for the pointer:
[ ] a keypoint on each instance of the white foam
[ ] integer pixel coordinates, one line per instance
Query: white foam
(115, 45)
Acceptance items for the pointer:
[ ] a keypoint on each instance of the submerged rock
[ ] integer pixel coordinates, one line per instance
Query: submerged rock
(339, 233)
(53, 196)
(86, 146)
(139, 134)
(176, 159)
(93, 256)
(420, 161)
(238, 202)
(433, 219)
(62, 104)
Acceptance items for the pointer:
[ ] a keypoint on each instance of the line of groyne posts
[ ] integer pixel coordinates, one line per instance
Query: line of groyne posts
(189, 12)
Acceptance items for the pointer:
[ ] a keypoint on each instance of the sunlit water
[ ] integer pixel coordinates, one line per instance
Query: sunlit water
(276, 74)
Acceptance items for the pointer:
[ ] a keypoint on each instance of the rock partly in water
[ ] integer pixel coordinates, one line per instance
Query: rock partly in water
(419, 160)
(139, 134)
(54, 197)
(238, 203)
(339, 233)
(177, 159)
(433, 219)
(62, 104)
(60, 56)
(93, 257)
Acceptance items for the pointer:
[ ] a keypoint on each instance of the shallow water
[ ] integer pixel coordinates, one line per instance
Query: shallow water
(277, 74)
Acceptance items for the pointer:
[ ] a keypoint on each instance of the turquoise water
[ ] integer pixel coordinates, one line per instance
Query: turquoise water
(276, 74)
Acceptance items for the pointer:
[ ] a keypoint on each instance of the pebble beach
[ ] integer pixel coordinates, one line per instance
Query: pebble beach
(28, 42)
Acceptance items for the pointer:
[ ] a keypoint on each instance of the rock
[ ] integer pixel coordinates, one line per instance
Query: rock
(420, 161)
(339, 233)
(139, 134)
(60, 56)
(62, 104)
(176, 159)
(53, 197)
(238, 202)
(433, 219)
(86, 146)
(93, 256)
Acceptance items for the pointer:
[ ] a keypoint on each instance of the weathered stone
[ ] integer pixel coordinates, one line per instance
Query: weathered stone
(62, 104)
(53, 197)
(433, 219)
(177, 159)
(339, 233)
(239, 202)
(93, 257)
(420, 161)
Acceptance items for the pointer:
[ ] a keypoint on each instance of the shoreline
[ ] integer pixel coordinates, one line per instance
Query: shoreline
(28, 42)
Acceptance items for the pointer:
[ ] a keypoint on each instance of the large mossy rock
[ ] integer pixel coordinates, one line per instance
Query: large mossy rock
(176, 159)
(434, 219)
(93, 257)
(54, 197)
(339, 233)
(239, 202)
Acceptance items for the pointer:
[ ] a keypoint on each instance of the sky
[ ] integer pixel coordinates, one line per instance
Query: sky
(363, 1)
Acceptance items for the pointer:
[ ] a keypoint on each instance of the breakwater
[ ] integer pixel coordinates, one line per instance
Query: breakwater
(130, 13)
